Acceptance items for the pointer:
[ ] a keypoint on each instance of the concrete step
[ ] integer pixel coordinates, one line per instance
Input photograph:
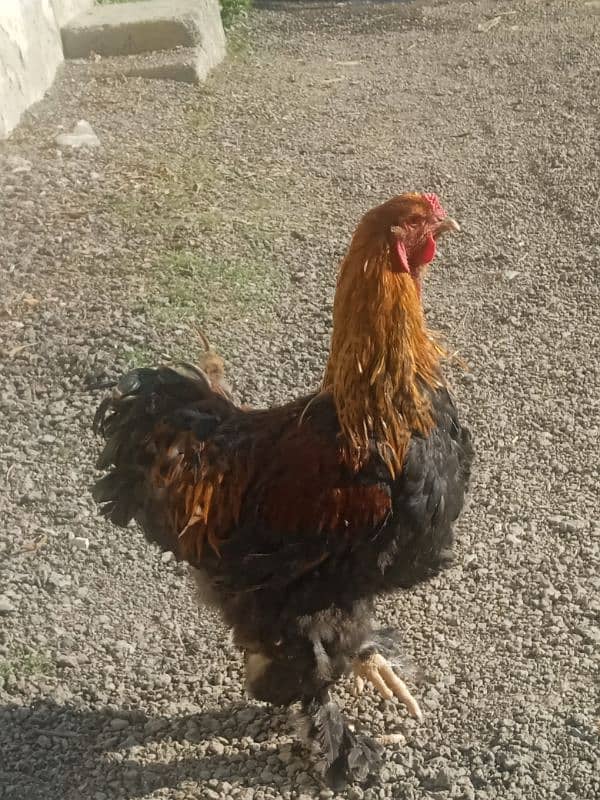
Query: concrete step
(192, 26)
(184, 64)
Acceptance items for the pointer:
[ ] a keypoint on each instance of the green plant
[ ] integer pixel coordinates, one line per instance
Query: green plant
(231, 10)
(24, 664)
(137, 356)
(189, 286)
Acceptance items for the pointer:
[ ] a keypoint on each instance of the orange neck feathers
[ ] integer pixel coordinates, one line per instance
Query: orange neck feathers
(382, 358)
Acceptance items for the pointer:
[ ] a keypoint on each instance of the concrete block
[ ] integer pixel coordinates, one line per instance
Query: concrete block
(151, 25)
(65, 10)
(30, 52)
(185, 65)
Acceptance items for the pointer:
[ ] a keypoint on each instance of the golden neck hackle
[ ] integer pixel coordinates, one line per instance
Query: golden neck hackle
(382, 357)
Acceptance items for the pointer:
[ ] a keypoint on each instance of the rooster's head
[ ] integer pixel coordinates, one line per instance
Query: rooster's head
(402, 233)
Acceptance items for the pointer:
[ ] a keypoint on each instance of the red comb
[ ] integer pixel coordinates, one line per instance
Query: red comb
(434, 202)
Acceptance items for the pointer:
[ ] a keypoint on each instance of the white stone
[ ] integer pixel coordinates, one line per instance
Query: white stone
(6, 607)
(18, 164)
(82, 136)
(80, 543)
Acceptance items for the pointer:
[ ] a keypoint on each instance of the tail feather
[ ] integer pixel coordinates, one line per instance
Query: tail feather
(214, 367)
(146, 413)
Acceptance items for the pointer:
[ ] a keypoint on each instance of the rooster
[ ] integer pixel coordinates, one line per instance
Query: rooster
(294, 519)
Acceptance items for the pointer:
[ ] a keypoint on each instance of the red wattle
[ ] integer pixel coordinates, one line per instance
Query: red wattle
(428, 251)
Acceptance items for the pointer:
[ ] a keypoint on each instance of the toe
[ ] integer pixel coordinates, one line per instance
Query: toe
(380, 684)
(401, 691)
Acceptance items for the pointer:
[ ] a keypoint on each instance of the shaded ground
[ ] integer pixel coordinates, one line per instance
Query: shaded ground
(229, 206)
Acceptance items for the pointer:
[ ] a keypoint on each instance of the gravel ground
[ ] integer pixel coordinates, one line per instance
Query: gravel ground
(228, 206)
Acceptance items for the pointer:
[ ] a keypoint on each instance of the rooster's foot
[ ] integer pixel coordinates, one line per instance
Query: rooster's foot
(373, 667)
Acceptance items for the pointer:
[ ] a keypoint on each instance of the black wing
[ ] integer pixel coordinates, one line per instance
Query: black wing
(428, 497)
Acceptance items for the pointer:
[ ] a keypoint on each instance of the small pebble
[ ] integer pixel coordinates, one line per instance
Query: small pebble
(6, 605)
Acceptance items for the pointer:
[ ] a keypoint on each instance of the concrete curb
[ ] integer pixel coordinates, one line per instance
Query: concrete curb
(33, 34)
(152, 26)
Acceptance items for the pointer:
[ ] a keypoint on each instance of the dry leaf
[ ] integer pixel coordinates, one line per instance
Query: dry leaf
(33, 545)
(487, 26)
(16, 350)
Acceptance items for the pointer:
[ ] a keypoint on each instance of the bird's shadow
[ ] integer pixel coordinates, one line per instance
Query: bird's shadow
(54, 751)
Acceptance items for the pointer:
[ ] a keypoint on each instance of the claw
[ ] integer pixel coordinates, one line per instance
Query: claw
(380, 673)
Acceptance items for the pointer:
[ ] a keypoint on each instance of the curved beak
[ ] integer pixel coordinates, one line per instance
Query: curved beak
(447, 225)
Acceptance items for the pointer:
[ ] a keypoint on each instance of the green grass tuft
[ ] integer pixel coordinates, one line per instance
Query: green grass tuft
(24, 665)
(190, 287)
(232, 10)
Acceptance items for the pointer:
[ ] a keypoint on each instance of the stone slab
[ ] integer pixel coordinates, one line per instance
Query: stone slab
(185, 65)
(147, 26)
(65, 10)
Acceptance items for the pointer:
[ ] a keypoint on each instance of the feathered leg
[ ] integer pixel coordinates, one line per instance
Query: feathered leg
(304, 671)
(344, 755)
